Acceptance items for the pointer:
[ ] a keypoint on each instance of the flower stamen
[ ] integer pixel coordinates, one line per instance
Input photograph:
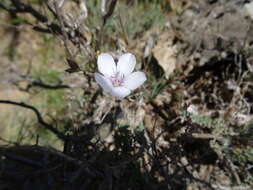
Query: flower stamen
(117, 79)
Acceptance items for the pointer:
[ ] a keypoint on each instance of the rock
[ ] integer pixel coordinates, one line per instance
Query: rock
(166, 53)
(249, 9)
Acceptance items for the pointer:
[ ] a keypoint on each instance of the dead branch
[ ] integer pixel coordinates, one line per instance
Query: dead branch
(53, 28)
(46, 86)
(46, 125)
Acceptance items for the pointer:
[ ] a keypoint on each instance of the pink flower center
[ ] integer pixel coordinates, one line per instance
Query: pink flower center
(117, 79)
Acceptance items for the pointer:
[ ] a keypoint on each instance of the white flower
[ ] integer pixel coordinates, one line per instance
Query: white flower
(118, 79)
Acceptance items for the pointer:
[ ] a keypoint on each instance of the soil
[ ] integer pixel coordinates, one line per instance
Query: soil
(196, 131)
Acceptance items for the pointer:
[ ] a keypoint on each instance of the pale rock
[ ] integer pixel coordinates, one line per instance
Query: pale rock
(249, 8)
(192, 109)
(166, 54)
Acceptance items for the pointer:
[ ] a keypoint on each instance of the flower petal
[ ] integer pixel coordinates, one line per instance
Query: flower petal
(120, 92)
(135, 80)
(126, 64)
(104, 82)
(106, 64)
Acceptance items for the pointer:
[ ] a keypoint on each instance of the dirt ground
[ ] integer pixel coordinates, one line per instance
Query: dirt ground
(189, 127)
